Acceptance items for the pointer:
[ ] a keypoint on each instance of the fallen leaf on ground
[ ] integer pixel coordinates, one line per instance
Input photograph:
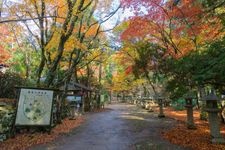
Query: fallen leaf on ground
(198, 139)
(25, 140)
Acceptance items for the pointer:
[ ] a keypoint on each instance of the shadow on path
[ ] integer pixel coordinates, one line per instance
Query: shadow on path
(121, 127)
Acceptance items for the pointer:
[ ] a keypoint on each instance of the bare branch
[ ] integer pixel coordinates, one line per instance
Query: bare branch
(26, 19)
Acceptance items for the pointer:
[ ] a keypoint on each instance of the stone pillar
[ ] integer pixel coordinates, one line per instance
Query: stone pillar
(160, 102)
(190, 118)
(212, 109)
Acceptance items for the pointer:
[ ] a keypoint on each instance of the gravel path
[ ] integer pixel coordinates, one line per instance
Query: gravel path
(120, 127)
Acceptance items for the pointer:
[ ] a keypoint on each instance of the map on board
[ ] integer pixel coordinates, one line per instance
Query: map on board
(34, 107)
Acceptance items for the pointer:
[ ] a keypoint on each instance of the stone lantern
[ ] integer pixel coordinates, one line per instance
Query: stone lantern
(212, 109)
(160, 102)
(189, 107)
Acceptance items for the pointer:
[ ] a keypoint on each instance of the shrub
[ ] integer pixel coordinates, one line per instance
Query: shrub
(7, 116)
(8, 81)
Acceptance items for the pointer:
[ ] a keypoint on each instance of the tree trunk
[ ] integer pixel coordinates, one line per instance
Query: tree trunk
(40, 69)
(150, 82)
(87, 101)
(100, 88)
(42, 42)
(203, 114)
(52, 71)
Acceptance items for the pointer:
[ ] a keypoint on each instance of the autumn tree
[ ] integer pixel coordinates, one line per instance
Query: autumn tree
(88, 40)
(60, 30)
(6, 40)
(124, 81)
(179, 27)
(4, 55)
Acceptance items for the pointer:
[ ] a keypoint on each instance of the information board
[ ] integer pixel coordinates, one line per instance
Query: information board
(73, 98)
(34, 107)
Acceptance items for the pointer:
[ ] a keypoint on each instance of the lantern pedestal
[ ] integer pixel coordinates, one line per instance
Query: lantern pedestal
(212, 109)
(161, 113)
(214, 125)
(190, 119)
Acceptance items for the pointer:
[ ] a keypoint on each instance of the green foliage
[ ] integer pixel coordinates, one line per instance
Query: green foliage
(178, 104)
(198, 69)
(149, 55)
(203, 115)
(25, 62)
(18, 59)
(7, 83)
(108, 71)
(176, 89)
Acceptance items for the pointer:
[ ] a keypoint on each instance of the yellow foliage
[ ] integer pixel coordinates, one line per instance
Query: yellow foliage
(53, 43)
(92, 31)
(64, 65)
(95, 54)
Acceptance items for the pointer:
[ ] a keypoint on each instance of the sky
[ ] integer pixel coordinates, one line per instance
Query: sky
(116, 19)
(120, 15)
